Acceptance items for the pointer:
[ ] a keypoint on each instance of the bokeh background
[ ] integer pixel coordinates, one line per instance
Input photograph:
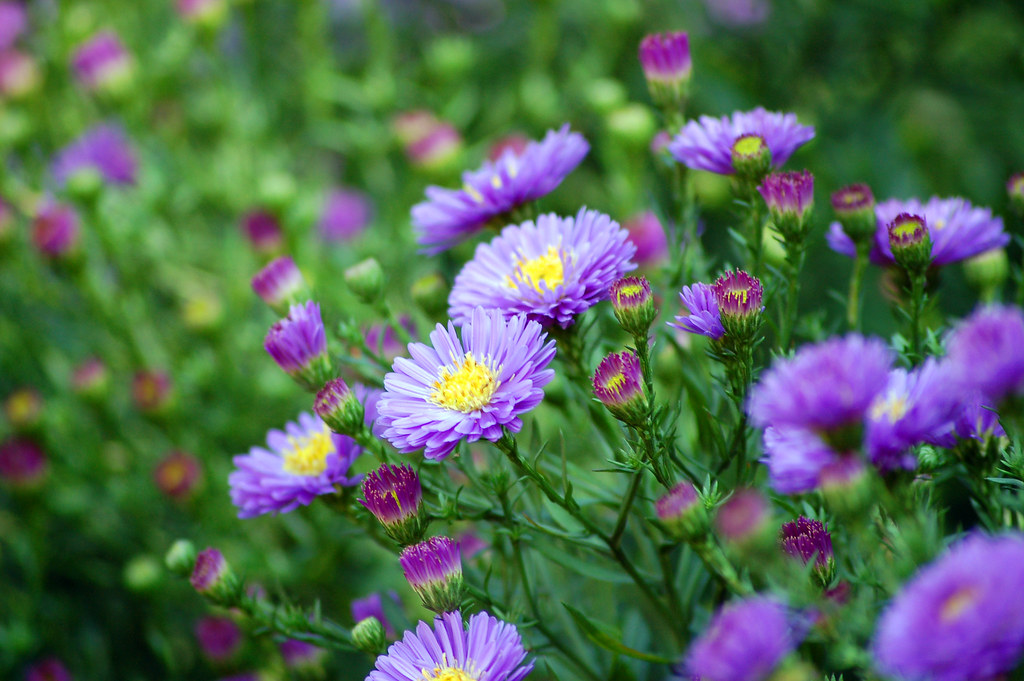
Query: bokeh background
(268, 107)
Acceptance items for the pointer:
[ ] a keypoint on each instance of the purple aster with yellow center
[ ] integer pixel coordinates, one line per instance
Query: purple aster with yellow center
(711, 143)
(826, 387)
(984, 352)
(103, 150)
(449, 216)
(732, 305)
(961, 618)
(745, 641)
(550, 270)
(957, 229)
(484, 649)
(467, 388)
(618, 385)
(915, 407)
(300, 463)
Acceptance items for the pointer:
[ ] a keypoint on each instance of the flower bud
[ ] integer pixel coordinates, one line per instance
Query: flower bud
(667, 65)
(91, 379)
(20, 75)
(56, 231)
(219, 638)
(434, 571)
(142, 573)
(789, 197)
(739, 297)
(103, 65)
(181, 557)
(805, 539)
(298, 343)
(910, 242)
(682, 512)
(618, 384)
(85, 185)
(846, 486)
(744, 520)
(339, 408)
(987, 271)
(751, 158)
(1015, 189)
(368, 636)
(280, 284)
(23, 463)
(212, 577)
(633, 305)
(263, 231)
(151, 391)
(393, 495)
(855, 207)
(366, 280)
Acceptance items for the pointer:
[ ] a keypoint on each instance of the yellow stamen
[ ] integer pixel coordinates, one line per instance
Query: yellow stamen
(894, 409)
(467, 387)
(496, 181)
(939, 224)
(546, 269)
(447, 672)
(309, 454)
(628, 291)
(615, 383)
(748, 146)
(956, 604)
(477, 196)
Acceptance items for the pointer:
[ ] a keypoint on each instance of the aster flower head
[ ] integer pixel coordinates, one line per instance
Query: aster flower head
(957, 230)
(177, 475)
(745, 641)
(13, 21)
(465, 389)
(485, 649)
(298, 344)
(299, 464)
(682, 511)
(550, 271)
(910, 242)
(789, 197)
(393, 495)
(219, 637)
(102, 64)
(279, 284)
(713, 143)
(704, 317)
(56, 230)
(449, 216)
(665, 58)
(345, 215)
(805, 539)
(618, 385)
(152, 391)
(914, 407)
(263, 230)
(854, 205)
(796, 459)
(648, 235)
(23, 463)
(961, 618)
(826, 387)
(984, 352)
(739, 297)
(104, 151)
(976, 420)
(212, 575)
(433, 569)
(633, 305)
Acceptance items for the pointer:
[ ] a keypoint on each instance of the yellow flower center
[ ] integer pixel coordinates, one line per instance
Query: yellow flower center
(309, 454)
(615, 383)
(748, 145)
(628, 291)
(939, 224)
(546, 269)
(737, 296)
(894, 408)
(447, 674)
(467, 387)
(173, 473)
(957, 603)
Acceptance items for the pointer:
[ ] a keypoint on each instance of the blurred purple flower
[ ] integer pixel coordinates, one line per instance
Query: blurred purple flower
(345, 215)
(103, 149)
(745, 641)
(13, 22)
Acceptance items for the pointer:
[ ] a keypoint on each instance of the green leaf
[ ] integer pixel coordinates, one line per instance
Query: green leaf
(607, 638)
(585, 567)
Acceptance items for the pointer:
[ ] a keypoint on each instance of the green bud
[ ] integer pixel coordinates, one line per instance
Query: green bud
(366, 280)
(277, 190)
(751, 159)
(181, 557)
(632, 124)
(368, 636)
(987, 271)
(85, 185)
(142, 573)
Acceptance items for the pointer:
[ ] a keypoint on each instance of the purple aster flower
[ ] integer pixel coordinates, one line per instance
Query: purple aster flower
(976, 420)
(279, 282)
(485, 649)
(707, 144)
(263, 231)
(743, 516)
(50, 669)
(102, 62)
(177, 475)
(796, 459)
(915, 407)
(957, 229)
(298, 344)
(703, 317)
(430, 143)
(301, 655)
(618, 385)
(12, 22)
(633, 305)
(299, 464)
(219, 637)
(211, 571)
(393, 495)
(345, 215)
(433, 569)
(56, 230)
(647, 234)
(745, 641)
(739, 296)
(550, 271)
(373, 606)
(104, 150)
(984, 352)
(682, 511)
(22, 462)
(961, 618)
(789, 193)
(824, 387)
(804, 538)
(451, 215)
(665, 58)
(468, 389)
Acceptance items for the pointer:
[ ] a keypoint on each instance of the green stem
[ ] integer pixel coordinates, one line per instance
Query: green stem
(853, 302)
(917, 282)
(570, 352)
(713, 558)
(627, 505)
(795, 253)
